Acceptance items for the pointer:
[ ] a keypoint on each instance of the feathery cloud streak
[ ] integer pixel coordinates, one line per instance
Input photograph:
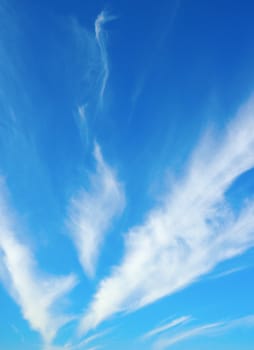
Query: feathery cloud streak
(209, 329)
(166, 343)
(194, 228)
(35, 293)
(91, 212)
(165, 327)
(84, 344)
(103, 18)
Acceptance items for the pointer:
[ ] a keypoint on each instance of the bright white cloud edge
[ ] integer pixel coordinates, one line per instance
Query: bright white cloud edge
(93, 211)
(36, 293)
(194, 227)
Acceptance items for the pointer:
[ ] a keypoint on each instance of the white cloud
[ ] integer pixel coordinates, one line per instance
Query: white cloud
(87, 343)
(92, 212)
(227, 272)
(82, 112)
(177, 322)
(37, 295)
(83, 344)
(82, 122)
(166, 343)
(189, 233)
(213, 329)
(101, 19)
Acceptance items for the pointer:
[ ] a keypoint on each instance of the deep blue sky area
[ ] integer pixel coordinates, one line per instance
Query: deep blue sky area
(126, 175)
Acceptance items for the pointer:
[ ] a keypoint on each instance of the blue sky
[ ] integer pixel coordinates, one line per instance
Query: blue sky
(126, 175)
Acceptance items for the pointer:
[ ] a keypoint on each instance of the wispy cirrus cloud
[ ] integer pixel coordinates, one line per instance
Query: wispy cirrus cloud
(100, 35)
(212, 329)
(85, 344)
(167, 342)
(36, 293)
(176, 322)
(186, 236)
(92, 212)
(227, 272)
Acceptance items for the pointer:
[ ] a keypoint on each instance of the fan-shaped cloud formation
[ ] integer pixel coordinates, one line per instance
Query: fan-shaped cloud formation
(186, 236)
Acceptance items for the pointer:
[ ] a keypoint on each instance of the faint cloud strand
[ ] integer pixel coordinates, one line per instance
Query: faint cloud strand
(227, 272)
(172, 324)
(166, 343)
(212, 329)
(83, 344)
(100, 35)
(192, 231)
